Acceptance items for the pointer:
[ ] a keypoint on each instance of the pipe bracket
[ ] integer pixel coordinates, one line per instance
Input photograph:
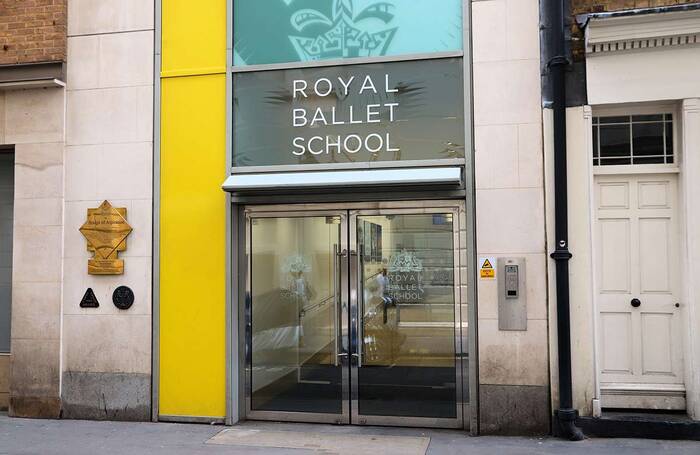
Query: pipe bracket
(561, 255)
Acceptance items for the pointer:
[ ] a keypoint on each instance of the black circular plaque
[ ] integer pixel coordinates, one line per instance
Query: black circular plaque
(123, 297)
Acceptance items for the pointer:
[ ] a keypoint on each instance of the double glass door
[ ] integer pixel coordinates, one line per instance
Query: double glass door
(355, 316)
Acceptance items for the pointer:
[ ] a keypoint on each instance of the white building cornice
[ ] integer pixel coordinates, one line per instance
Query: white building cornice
(691, 105)
(642, 31)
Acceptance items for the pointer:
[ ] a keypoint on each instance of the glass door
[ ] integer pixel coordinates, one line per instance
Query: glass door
(353, 316)
(406, 362)
(297, 317)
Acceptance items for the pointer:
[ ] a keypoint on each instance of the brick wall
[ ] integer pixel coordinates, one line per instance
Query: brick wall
(598, 6)
(32, 31)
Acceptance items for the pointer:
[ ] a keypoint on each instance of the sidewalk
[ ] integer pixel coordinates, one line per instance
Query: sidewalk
(49, 437)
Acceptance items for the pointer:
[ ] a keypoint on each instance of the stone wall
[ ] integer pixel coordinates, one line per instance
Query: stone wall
(32, 31)
(33, 121)
(513, 365)
(106, 351)
(74, 148)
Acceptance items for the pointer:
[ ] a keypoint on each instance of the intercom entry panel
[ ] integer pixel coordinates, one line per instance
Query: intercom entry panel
(512, 295)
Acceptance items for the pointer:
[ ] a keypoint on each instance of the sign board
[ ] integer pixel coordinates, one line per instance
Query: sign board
(397, 111)
(106, 231)
(123, 297)
(89, 300)
(487, 270)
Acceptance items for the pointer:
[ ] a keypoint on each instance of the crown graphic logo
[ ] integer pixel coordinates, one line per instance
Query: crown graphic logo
(296, 263)
(405, 261)
(345, 36)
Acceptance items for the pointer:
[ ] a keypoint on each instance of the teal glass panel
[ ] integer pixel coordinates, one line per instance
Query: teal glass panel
(397, 111)
(285, 31)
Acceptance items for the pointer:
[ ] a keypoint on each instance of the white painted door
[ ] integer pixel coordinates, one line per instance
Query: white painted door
(637, 278)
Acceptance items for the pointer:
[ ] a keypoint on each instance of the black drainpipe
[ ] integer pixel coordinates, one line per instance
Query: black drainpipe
(557, 65)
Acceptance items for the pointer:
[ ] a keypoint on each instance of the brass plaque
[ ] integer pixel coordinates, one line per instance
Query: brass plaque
(106, 231)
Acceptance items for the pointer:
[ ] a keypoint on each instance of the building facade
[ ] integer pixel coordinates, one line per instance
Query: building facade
(75, 143)
(645, 299)
(343, 211)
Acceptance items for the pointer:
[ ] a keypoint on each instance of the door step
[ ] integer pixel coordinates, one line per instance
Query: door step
(658, 397)
(641, 425)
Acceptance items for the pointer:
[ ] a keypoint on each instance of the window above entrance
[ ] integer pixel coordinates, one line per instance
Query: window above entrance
(399, 111)
(341, 84)
(287, 31)
(633, 139)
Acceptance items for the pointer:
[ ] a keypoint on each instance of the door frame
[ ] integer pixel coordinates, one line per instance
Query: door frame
(341, 323)
(679, 168)
(460, 336)
(465, 333)
(624, 394)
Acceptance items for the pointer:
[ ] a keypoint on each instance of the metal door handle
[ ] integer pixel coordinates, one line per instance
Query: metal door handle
(360, 305)
(635, 302)
(356, 305)
(338, 304)
(336, 320)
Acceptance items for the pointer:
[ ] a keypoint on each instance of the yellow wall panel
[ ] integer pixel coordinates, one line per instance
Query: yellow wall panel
(193, 246)
(194, 37)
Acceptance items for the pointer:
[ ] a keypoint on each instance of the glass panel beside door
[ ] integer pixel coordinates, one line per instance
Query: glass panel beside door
(294, 339)
(351, 317)
(406, 365)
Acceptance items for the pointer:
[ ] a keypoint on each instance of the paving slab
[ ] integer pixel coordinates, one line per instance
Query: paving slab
(338, 444)
(76, 437)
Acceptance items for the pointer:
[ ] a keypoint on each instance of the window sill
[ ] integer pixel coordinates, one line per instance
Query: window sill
(637, 169)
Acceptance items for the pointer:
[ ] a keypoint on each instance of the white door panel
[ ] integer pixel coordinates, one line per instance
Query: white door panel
(657, 333)
(640, 347)
(654, 262)
(616, 335)
(614, 195)
(654, 195)
(615, 273)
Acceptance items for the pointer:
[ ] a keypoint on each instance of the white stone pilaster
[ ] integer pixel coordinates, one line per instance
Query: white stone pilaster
(690, 126)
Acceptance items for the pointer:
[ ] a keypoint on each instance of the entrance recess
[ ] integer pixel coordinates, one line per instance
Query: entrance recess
(640, 322)
(355, 316)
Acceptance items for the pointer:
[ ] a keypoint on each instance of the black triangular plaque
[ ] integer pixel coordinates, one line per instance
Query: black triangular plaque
(89, 300)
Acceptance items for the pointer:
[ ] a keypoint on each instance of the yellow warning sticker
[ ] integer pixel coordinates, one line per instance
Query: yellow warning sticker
(487, 273)
(486, 270)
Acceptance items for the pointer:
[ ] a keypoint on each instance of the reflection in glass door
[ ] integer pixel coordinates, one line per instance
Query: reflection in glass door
(295, 318)
(403, 315)
(353, 317)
